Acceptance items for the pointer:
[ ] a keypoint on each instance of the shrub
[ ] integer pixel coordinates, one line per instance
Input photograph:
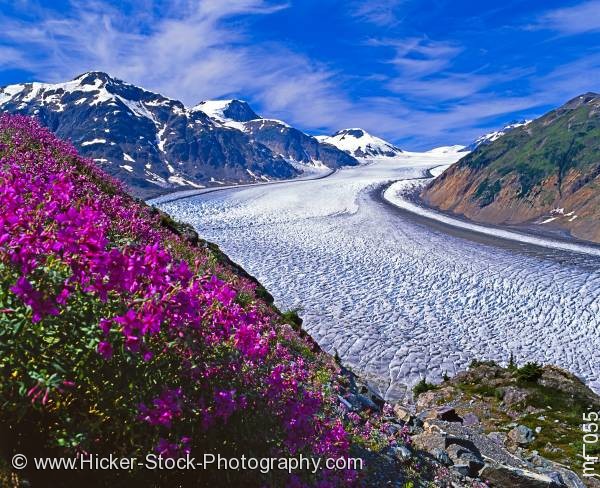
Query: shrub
(423, 386)
(529, 373)
(475, 363)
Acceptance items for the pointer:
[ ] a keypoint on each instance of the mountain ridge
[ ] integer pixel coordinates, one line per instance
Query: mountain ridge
(156, 144)
(544, 175)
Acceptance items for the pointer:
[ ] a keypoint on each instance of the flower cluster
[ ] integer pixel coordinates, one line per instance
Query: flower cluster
(121, 308)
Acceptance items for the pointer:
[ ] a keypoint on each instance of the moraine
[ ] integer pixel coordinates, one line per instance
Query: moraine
(397, 297)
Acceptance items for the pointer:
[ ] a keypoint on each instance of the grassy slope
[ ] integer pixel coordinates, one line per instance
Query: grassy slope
(552, 162)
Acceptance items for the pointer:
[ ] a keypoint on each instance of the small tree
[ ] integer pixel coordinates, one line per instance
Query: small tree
(512, 366)
(529, 373)
(422, 386)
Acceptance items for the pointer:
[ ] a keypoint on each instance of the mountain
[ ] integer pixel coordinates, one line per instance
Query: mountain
(492, 136)
(545, 173)
(227, 110)
(278, 136)
(155, 144)
(360, 144)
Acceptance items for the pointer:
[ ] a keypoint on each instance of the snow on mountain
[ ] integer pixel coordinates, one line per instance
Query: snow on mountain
(492, 136)
(231, 113)
(281, 138)
(155, 144)
(359, 143)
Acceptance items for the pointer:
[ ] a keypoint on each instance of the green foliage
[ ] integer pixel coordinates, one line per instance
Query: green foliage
(475, 363)
(512, 366)
(423, 386)
(562, 140)
(487, 191)
(529, 373)
(291, 317)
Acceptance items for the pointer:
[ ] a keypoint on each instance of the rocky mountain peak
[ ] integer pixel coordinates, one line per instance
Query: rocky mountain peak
(589, 98)
(359, 143)
(155, 144)
(229, 110)
(357, 133)
(93, 77)
(494, 135)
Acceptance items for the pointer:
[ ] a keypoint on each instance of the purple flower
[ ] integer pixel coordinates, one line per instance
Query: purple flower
(105, 350)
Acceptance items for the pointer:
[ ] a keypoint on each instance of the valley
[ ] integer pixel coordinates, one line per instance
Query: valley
(399, 297)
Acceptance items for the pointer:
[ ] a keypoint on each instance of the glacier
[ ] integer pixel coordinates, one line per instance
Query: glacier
(398, 295)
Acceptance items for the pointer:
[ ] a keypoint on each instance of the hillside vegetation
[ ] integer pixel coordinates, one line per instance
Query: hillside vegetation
(120, 335)
(545, 173)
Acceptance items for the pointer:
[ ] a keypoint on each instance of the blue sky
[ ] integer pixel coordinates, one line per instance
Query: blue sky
(418, 73)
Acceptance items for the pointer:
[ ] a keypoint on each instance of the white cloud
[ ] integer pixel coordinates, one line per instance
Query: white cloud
(581, 18)
(10, 56)
(379, 12)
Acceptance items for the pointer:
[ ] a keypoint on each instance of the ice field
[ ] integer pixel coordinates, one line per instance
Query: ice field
(400, 296)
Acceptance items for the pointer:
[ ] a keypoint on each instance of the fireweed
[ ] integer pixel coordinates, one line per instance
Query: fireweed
(118, 336)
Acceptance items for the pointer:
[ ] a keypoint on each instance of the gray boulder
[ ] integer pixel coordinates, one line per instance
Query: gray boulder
(521, 436)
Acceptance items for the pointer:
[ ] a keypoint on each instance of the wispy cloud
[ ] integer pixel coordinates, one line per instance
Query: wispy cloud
(191, 52)
(418, 56)
(379, 12)
(10, 57)
(578, 19)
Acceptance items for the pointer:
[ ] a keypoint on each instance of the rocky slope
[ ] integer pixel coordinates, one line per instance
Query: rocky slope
(544, 174)
(509, 426)
(488, 426)
(279, 137)
(155, 144)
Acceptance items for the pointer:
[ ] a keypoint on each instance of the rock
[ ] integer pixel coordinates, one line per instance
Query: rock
(552, 449)
(463, 456)
(470, 419)
(358, 402)
(441, 456)
(345, 402)
(427, 441)
(559, 379)
(393, 428)
(462, 469)
(433, 398)
(366, 402)
(402, 413)
(401, 453)
(377, 400)
(568, 477)
(521, 436)
(445, 413)
(538, 429)
(513, 396)
(501, 476)
(462, 442)
(538, 461)
(498, 437)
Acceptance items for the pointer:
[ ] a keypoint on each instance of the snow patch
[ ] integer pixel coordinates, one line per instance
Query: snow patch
(93, 141)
